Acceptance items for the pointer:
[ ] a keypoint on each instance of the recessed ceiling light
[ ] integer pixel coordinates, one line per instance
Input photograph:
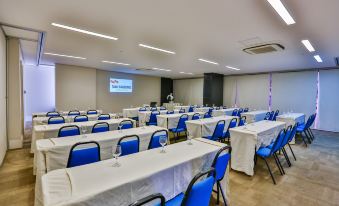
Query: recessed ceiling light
(308, 45)
(233, 68)
(208, 61)
(282, 11)
(84, 31)
(63, 55)
(119, 63)
(167, 70)
(155, 48)
(318, 58)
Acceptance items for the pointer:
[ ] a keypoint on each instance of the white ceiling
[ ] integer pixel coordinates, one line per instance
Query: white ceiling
(214, 30)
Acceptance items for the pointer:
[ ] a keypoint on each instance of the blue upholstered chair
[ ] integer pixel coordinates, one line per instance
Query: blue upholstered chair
(275, 115)
(125, 124)
(240, 110)
(153, 118)
(56, 120)
(218, 131)
(267, 116)
(73, 113)
(181, 126)
(154, 109)
(196, 116)
(271, 115)
(104, 117)
(191, 109)
(81, 118)
(306, 129)
(70, 130)
(235, 112)
(82, 156)
(52, 114)
(154, 198)
(207, 115)
(246, 109)
(100, 127)
(293, 133)
(92, 112)
(242, 121)
(154, 142)
(233, 123)
(129, 144)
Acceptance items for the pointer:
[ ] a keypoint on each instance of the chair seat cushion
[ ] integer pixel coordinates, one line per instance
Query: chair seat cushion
(270, 146)
(300, 128)
(176, 201)
(264, 152)
(176, 130)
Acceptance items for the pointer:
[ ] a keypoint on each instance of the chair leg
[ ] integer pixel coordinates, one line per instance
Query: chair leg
(218, 193)
(307, 136)
(269, 169)
(303, 138)
(310, 134)
(278, 165)
(222, 193)
(313, 137)
(286, 157)
(292, 151)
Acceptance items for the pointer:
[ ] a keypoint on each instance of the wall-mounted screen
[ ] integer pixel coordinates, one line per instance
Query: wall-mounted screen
(120, 85)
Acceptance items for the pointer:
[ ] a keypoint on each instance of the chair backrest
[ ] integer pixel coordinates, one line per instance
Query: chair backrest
(126, 124)
(100, 127)
(129, 144)
(196, 116)
(153, 117)
(73, 113)
(288, 132)
(170, 112)
(56, 120)
(210, 110)
(246, 109)
(234, 112)
(104, 117)
(81, 118)
(271, 115)
(278, 141)
(191, 109)
(154, 142)
(150, 198)
(310, 121)
(294, 131)
(233, 123)
(162, 108)
(85, 155)
(242, 121)
(182, 110)
(199, 192)
(219, 130)
(275, 115)
(52, 114)
(220, 162)
(154, 109)
(207, 115)
(181, 123)
(91, 111)
(241, 110)
(142, 109)
(70, 130)
(267, 116)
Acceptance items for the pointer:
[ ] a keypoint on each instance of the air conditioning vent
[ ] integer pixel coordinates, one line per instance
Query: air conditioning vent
(336, 61)
(264, 48)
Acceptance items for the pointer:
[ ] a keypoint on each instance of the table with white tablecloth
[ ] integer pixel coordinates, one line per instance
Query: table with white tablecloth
(170, 121)
(291, 119)
(52, 130)
(63, 113)
(170, 106)
(222, 112)
(245, 140)
(202, 109)
(145, 115)
(254, 116)
(133, 112)
(185, 107)
(139, 175)
(205, 127)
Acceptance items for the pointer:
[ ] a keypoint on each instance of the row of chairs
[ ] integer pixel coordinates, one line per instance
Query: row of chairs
(78, 118)
(238, 112)
(272, 115)
(70, 113)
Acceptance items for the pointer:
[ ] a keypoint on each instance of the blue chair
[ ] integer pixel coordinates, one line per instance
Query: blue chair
(162, 108)
(242, 121)
(196, 116)
(246, 109)
(154, 109)
(210, 110)
(73, 113)
(70, 130)
(240, 110)
(125, 124)
(198, 193)
(181, 126)
(207, 115)
(81, 118)
(191, 109)
(275, 115)
(100, 127)
(305, 128)
(83, 156)
(154, 142)
(220, 164)
(142, 109)
(56, 120)
(170, 112)
(92, 112)
(104, 117)
(293, 133)
(235, 112)
(149, 199)
(271, 115)
(233, 123)
(129, 144)
(153, 118)
(52, 114)
(181, 111)
(218, 131)
(266, 152)
(267, 116)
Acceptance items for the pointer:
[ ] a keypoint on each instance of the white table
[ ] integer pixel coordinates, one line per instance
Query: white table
(42, 120)
(52, 154)
(170, 121)
(291, 119)
(63, 113)
(254, 116)
(222, 112)
(202, 109)
(170, 106)
(145, 115)
(205, 127)
(245, 140)
(185, 107)
(139, 175)
(52, 130)
(133, 112)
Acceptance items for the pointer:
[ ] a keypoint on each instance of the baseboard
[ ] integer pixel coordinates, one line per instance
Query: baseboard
(15, 144)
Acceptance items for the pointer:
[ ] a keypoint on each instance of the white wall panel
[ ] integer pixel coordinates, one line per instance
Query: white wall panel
(188, 91)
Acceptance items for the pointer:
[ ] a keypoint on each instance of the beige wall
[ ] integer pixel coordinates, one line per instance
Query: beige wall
(15, 100)
(81, 87)
(188, 91)
(75, 87)
(3, 111)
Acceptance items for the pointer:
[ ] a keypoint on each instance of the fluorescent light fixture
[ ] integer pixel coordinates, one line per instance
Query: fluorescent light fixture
(84, 31)
(63, 55)
(282, 11)
(166, 70)
(119, 63)
(308, 45)
(186, 73)
(233, 68)
(318, 58)
(182, 72)
(208, 61)
(155, 48)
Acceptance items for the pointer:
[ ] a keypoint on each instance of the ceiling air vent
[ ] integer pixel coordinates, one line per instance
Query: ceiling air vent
(264, 48)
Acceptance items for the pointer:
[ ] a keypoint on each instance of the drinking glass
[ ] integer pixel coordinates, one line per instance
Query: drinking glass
(163, 142)
(84, 130)
(116, 153)
(189, 138)
(120, 126)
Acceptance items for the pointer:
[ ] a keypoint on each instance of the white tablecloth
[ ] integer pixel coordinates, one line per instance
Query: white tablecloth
(170, 121)
(144, 116)
(138, 176)
(254, 116)
(202, 109)
(170, 106)
(63, 113)
(52, 130)
(205, 127)
(291, 119)
(246, 139)
(52, 154)
(186, 108)
(130, 112)
(222, 112)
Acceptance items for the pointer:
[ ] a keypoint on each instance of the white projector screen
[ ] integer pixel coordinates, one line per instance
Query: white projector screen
(120, 85)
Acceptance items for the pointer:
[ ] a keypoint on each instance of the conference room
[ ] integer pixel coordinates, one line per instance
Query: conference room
(169, 103)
